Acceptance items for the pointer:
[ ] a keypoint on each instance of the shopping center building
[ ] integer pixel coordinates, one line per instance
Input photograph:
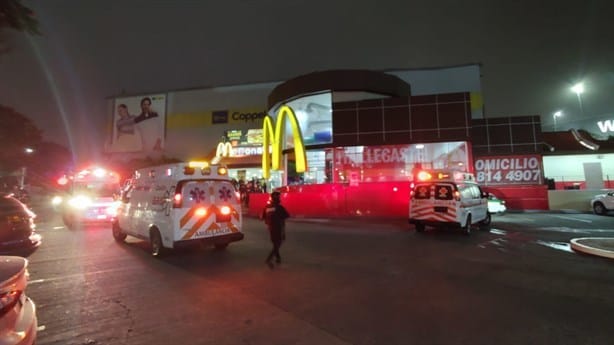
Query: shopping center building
(347, 142)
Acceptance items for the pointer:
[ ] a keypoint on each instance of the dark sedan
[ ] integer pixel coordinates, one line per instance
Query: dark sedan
(17, 227)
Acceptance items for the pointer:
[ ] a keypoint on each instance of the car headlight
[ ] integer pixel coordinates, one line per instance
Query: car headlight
(112, 210)
(80, 202)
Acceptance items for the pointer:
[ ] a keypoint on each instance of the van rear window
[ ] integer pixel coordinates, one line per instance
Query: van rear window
(422, 191)
(444, 192)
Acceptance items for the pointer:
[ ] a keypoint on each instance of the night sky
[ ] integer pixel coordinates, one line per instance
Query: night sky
(531, 51)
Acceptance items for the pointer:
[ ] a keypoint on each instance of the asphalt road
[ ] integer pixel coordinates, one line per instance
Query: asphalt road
(341, 282)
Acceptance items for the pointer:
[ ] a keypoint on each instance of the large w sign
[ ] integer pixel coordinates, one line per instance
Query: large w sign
(275, 138)
(606, 126)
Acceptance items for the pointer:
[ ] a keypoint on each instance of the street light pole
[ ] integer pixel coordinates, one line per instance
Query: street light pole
(22, 180)
(578, 89)
(554, 116)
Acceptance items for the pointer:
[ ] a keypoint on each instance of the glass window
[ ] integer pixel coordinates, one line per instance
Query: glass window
(395, 162)
(422, 191)
(315, 118)
(444, 192)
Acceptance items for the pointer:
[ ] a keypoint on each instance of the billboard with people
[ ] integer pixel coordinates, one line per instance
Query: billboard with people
(138, 124)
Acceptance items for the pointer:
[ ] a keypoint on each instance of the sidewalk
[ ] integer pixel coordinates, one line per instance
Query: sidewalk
(600, 246)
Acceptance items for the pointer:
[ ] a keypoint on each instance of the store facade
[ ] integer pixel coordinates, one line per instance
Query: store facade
(362, 136)
(372, 146)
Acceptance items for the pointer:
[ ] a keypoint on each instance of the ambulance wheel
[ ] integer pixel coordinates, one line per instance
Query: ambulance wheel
(220, 246)
(118, 234)
(467, 227)
(155, 240)
(485, 224)
(420, 227)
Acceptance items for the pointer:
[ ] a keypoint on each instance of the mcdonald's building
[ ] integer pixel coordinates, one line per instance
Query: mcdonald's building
(346, 142)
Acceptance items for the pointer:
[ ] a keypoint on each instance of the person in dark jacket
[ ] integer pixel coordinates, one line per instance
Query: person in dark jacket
(274, 215)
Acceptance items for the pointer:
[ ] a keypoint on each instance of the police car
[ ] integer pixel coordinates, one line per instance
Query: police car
(178, 204)
(448, 198)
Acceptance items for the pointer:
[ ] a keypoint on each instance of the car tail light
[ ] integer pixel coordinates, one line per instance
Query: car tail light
(8, 301)
(177, 200)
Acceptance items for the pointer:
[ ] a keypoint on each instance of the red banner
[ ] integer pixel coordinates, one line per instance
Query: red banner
(509, 170)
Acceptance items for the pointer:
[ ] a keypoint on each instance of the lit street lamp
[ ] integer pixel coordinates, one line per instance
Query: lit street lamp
(578, 89)
(28, 151)
(554, 116)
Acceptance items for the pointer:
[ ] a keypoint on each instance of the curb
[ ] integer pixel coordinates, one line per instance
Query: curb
(593, 250)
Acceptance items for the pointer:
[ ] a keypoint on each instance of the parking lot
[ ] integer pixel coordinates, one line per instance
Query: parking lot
(341, 282)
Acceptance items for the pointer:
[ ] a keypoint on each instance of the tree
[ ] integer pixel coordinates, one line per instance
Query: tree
(14, 15)
(17, 133)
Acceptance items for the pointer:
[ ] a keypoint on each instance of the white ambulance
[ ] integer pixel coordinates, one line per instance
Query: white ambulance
(448, 198)
(176, 204)
(90, 197)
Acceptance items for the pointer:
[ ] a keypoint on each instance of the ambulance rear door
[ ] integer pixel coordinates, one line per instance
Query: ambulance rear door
(434, 202)
(207, 208)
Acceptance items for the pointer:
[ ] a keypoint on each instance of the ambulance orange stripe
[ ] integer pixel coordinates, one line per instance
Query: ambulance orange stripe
(186, 218)
(232, 227)
(195, 227)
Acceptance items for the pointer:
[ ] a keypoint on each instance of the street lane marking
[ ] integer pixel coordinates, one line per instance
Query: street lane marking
(78, 275)
(562, 246)
(571, 218)
(566, 229)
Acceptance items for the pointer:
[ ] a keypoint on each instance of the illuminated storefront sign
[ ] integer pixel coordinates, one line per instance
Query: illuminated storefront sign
(505, 170)
(276, 137)
(238, 143)
(606, 126)
(223, 150)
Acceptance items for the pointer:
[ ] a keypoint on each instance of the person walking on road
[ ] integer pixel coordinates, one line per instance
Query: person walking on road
(274, 215)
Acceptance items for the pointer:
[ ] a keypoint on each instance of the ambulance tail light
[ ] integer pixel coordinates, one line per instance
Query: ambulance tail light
(223, 214)
(200, 212)
(177, 200)
(457, 196)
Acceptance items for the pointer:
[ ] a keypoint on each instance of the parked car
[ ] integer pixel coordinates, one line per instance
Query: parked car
(495, 205)
(17, 227)
(603, 203)
(18, 323)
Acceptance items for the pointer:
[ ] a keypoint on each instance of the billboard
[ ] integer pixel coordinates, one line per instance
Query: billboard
(138, 124)
(240, 142)
(509, 170)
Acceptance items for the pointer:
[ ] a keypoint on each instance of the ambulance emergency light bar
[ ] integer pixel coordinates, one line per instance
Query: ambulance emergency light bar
(204, 167)
(456, 176)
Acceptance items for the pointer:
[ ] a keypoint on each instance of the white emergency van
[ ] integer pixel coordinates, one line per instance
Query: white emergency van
(90, 197)
(177, 204)
(448, 198)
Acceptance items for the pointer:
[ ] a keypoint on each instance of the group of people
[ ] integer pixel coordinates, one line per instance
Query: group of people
(143, 132)
(245, 189)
